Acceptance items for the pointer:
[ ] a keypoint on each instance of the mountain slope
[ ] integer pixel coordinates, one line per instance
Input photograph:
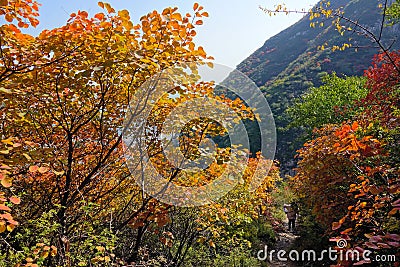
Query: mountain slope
(290, 63)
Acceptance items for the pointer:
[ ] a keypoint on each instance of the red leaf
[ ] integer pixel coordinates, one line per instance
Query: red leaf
(15, 200)
(362, 262)
(371, 245)
(99, 16)
(393, 237)
(7, 216)
(4, 207)
(375, 239)
(394, 244)
(383, 245)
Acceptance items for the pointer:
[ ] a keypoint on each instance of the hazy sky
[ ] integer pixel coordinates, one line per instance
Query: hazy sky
(234, 30)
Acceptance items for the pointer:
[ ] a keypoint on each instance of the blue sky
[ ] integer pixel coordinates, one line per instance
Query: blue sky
(234, 30)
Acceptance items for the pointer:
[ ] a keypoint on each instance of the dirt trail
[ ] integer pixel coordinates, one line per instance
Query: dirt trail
(284, 242)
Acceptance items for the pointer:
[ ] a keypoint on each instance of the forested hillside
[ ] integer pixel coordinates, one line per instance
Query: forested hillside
(291, 62)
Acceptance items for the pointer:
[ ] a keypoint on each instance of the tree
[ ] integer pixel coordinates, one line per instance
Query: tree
(15, 151)
(333, 102)
(393, 12)
(12, 152)
(66, 95)
(77, 80)
(352, 169)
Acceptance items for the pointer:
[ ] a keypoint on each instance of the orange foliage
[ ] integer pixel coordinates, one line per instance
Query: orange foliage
(350, 173)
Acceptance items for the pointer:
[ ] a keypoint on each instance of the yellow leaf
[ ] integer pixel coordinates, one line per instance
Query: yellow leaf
(2, 227)
(124, 14)
(53, 251)
(100, 248)
(59, 173)
(101, 4)
(6, 182)
(44, 254)
(27, 156)
(8, 141)
(109, 8)
(176, 16)
(10, 227)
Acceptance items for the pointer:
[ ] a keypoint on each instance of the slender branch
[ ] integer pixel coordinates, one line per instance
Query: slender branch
(383, 20)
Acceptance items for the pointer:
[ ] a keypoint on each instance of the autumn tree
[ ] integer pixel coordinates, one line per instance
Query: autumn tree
(78, 79)
(66, 92)
(349, 170)
(14, 150)
(352, 169)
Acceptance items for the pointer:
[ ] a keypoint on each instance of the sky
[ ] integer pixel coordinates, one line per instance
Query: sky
(234, 30)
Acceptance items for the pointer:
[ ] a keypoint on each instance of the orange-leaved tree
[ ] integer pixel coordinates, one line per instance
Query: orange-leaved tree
(67, 90)
(349, 174)
(12, 148)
